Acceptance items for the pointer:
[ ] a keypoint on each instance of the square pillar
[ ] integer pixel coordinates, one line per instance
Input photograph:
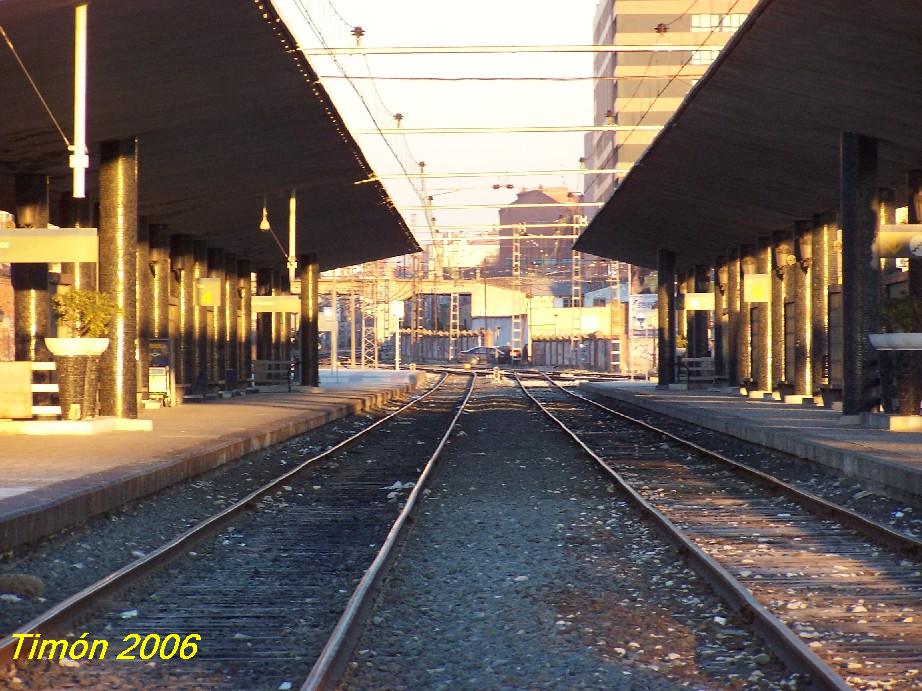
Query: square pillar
(666, 330)
(31, 298)
(159, 267)
(721, 276)
(748, 265)
(181, 261)
(218, 330)
(860, 271)
(118, 247)
(201, 353)
(762, 328)
(802, 293)
(75, 213)
(699, 318)
(734, 298)
(230, 309)
(142, 303)
(309, 269)
(245, 321)
(264, 320)
(782, 252)
(820, 242)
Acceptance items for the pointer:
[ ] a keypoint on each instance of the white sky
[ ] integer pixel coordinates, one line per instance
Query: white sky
(467, 104)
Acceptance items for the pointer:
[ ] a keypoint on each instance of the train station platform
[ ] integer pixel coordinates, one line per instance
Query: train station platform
(890, 462)
(50, 483)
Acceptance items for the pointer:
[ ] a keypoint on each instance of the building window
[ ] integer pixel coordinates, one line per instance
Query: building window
(705, 56)
(706, 23)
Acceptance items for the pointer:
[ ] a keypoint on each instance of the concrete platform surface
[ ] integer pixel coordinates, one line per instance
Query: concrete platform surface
(49, 483)
(887, 461)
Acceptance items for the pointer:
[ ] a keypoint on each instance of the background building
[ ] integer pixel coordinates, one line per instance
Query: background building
(646, 88)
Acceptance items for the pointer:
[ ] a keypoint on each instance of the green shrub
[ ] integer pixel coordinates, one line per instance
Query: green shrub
(901, 315)
(87, 313)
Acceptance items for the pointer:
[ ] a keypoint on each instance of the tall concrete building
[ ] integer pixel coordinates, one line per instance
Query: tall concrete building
(646, 88)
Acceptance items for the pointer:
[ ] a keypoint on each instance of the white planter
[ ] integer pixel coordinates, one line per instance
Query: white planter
(896, 341)
(70, 347)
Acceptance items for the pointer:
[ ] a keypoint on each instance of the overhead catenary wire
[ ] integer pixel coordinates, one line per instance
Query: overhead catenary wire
(536, 129)
(315, 29)
(493, 173)
(466, 50)
(38, 93)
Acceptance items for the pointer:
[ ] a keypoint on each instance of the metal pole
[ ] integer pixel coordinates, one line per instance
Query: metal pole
(334, 334)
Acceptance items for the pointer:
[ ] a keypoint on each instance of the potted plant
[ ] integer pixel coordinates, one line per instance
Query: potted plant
(86, 314)
(681, 346)
(901, 320)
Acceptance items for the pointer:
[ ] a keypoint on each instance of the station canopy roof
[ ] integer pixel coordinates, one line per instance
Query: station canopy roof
(755, 145)
(225, 113)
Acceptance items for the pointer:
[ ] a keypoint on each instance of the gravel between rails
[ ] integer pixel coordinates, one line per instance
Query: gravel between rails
(75, 558)
(804, 474)
(265, 593)
(525, 570)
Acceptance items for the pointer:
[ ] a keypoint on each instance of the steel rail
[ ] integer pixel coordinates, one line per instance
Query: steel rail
(880, 533)
(781, 639)
(338, 649)
(78, 603)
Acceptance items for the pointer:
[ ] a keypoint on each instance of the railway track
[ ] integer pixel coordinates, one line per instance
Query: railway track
(834, 594)
(263, 581)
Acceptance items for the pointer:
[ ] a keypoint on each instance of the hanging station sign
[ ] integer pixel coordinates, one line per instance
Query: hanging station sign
(277, 303)
(49, 245)
(902, 241)
(698, 302)
(757, 287)
(208, 292)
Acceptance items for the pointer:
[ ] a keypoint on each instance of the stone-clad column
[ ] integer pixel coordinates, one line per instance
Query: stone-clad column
(118, 247)
(143, 288)
(666, 317)
(860, 271)
(159, 266)
(264, 320)
(748, 265)
(699, 318)
(910, 374)
(885, 358)
(310, 318)
(819, 302)
(75, 213)
(244, 328)
(721, 276)
(690, 323)
(734, 288)
(218, 330)
(681, 322)
(31, 301)
(781, 246)
(201, 354)
(762, 347)
(181, 261)
(802, 287)
(230, 308)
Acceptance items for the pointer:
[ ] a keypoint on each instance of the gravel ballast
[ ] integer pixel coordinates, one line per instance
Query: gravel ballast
(526, 570)
(65, 563)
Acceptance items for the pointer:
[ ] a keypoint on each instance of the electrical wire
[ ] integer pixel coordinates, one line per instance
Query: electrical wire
(306, 15)
(35, 88)
(494, 79)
